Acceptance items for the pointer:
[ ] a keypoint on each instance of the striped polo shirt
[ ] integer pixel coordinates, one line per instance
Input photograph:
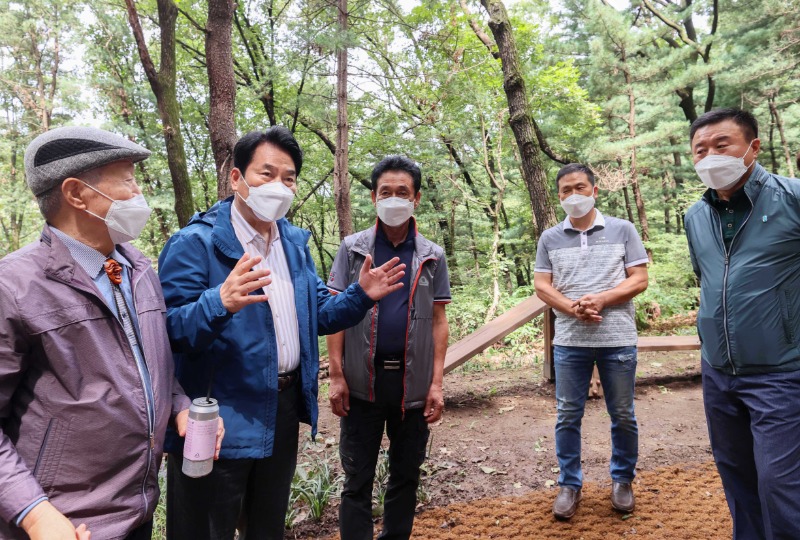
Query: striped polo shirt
(590, 262)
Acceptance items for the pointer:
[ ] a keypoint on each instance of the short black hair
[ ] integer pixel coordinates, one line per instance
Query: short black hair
(575, 168)
(397, 163)
(743, 119)
(277, 135)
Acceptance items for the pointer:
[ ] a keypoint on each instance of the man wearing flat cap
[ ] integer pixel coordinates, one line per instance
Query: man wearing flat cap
(86, 375)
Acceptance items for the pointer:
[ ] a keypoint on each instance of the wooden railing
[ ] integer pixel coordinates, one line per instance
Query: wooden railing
(524, 312)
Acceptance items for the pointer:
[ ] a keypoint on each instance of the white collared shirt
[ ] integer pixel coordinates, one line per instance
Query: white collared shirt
(280, 291)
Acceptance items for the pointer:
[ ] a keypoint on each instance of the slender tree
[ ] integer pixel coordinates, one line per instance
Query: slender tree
(520, 118)
(341, 182)
(222, 89)
(163, 83)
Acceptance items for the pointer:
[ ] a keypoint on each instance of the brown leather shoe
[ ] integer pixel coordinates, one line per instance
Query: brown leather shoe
(622, 497)
(566, 503)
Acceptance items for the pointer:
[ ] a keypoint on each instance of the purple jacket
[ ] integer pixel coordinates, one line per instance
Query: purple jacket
(73, 417)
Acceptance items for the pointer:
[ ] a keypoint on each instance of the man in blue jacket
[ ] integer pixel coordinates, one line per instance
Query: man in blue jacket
(245, 306)
(744, 240)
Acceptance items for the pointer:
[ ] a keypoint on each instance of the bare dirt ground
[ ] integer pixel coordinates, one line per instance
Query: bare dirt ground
(492, 468)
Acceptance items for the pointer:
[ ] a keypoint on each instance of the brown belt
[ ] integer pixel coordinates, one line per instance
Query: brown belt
(287, 379)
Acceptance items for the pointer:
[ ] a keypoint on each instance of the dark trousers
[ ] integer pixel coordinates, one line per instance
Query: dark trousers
(251, 495)
(143, 532)
(754, 428)
(360, 443)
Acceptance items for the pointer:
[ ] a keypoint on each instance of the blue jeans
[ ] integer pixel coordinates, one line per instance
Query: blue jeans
(617, 367)
(754, 428)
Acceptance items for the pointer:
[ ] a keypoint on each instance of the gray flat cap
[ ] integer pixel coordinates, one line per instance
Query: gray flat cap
(63, 152)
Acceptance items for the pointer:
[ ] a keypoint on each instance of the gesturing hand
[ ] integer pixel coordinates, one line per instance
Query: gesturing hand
(383, 280)
(235, 291)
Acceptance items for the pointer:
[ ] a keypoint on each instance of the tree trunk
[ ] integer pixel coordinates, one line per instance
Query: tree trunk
(637, 194)
(779, 122)
(773, 157)
(520, 118)
(341, 183)
(444, 226)
(665, 188)
(163, 84)
(222, 89)
(628, 207)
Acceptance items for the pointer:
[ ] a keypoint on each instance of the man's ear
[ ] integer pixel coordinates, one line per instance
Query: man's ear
(374, 197)
(235, 178)
(756, 145)
(417, 198)
(73, 191)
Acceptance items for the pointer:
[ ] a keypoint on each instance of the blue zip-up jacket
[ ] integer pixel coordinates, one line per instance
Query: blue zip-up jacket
(749, 316)
(240, 349)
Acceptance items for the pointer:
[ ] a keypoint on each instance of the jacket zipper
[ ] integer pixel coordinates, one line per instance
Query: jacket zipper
(371, 362)
(150, 413)
(727, 251)
(43, 449)
(408, 325)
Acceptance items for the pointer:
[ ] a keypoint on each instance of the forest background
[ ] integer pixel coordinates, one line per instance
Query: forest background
(489, 98)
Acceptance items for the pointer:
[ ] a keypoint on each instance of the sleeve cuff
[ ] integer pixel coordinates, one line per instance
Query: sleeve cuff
(543, 270)
(30, 507)
(360, 295)
(635, 263)
(215, 303)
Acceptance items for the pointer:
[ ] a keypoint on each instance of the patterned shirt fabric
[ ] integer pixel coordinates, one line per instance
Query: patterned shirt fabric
(732, 213)
(280, 292)
(92, 262)
(589, 262)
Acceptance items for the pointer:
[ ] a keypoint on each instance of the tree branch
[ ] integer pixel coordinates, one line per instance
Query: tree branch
(483, 36)
(141, 44)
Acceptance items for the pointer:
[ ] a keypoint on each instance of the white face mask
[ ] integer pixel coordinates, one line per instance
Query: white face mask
(124, 219)
(721, 172)
(577, 206)
(269, 202)
(394, 211)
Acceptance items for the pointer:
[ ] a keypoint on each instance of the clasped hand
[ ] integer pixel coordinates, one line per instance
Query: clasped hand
(588, 307)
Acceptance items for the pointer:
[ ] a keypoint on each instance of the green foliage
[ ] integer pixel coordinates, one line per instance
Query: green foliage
(315, 482)
(673, 287)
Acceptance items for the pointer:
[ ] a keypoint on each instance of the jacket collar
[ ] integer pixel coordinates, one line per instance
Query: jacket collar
(63, 266)
(752, 187)
(364, 243)
(224, 237)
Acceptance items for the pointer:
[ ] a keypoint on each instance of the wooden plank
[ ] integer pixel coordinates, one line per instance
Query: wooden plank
(548, 368)
(527, 310)
(490, 333)
(669, 343)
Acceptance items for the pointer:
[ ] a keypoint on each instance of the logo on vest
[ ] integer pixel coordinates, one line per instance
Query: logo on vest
(423, 281)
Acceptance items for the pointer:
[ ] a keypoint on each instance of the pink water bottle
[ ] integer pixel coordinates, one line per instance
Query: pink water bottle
(201, 437)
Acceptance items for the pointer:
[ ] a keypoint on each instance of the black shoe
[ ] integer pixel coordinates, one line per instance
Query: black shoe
(622, 497)
(566, 503)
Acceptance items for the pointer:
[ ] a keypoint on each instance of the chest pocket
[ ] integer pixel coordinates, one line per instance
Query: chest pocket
(65, 316)
(422, 302)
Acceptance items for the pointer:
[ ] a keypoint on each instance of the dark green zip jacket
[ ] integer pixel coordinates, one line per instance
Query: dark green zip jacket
(749, 317)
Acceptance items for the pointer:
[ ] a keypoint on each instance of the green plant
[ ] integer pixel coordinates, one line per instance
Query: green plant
(316, 483)
(672, 287)
(381, 483)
